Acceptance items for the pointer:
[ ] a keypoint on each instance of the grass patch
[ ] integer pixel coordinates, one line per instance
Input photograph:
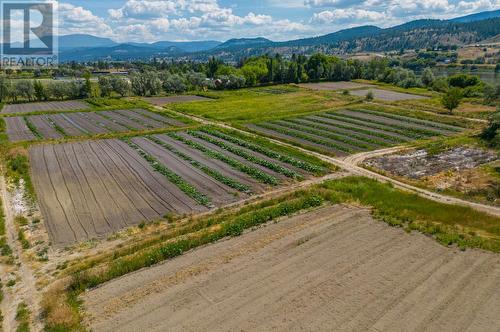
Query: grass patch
(23, 318)
(255, 104)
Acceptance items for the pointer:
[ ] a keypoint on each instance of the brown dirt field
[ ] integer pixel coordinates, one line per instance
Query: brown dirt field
(67, 125)
(160, 118)
(17, 130)
(91, 189)
(84, 122)
(44, 127)
(334, 269)
(124, 121)
(149, 122)
(103, 122)
(387, 95)
(334, 86)
(46, 106)
(162, 101)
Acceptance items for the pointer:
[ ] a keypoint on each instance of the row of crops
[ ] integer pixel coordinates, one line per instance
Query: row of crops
(346, 132)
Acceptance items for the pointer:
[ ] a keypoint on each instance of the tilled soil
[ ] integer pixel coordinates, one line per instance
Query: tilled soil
(334, 269)
(387, 95)
(87, 123)
(46, 106)
(91, 189)
(162, 101)
(334, 86)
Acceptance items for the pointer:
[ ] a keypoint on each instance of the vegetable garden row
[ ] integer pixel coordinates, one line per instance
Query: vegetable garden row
(55, 126)
(55, 106)
(92, 189)
(346, 132)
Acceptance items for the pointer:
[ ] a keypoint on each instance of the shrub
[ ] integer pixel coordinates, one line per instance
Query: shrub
(370, 96)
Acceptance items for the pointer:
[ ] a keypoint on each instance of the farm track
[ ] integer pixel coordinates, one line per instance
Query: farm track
(308, 272)
(25, 289)
(45, 107)
(354, 169)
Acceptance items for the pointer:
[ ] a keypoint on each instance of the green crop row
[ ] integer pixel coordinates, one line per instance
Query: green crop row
(182, 184)
(32, 127)
(371, 124)
(330, 129)
(322, 133)
(232, 183)
(267, 152)
(418, 131)
(359, 130)
(413, 120)
(239, 152)
(295, 134)
(253, 172)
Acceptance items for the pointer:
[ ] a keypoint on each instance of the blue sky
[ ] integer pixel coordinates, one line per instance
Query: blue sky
(154, 20)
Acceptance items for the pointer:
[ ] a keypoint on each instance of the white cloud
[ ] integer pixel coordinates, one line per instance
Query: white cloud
(75, 19)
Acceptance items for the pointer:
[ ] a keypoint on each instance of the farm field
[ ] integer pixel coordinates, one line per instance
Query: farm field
(335, 86)
(92, 189)
(55, 126)
(345, 132)
(308, 272)
(258, 104)
(387, 95)
(45, 107)
(162, 101)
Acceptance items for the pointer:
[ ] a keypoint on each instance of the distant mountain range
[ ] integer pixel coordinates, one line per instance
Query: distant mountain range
(412, 35)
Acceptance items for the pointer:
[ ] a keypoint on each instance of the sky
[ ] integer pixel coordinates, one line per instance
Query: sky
(182, 20)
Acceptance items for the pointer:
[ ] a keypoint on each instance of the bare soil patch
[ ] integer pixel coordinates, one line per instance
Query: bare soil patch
(331, 269)
(334, 86)
(387, 95)
(419, 164)
(162, 101)
(45, 106)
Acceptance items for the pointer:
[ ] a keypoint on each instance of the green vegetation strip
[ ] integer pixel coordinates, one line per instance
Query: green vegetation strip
(409, 128)
(232, 183)
(358, 122)
(231, 226)
(275, 127)
(304, 122)
(267, 152)
(322, 133)
(182, 184)
(23, 318)
(253, 172)
(57, 127)
(251, 158)
(33, 128)
(429, 123)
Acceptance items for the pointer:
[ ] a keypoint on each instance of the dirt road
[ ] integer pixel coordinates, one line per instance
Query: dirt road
(351, 166)
(331, 269)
